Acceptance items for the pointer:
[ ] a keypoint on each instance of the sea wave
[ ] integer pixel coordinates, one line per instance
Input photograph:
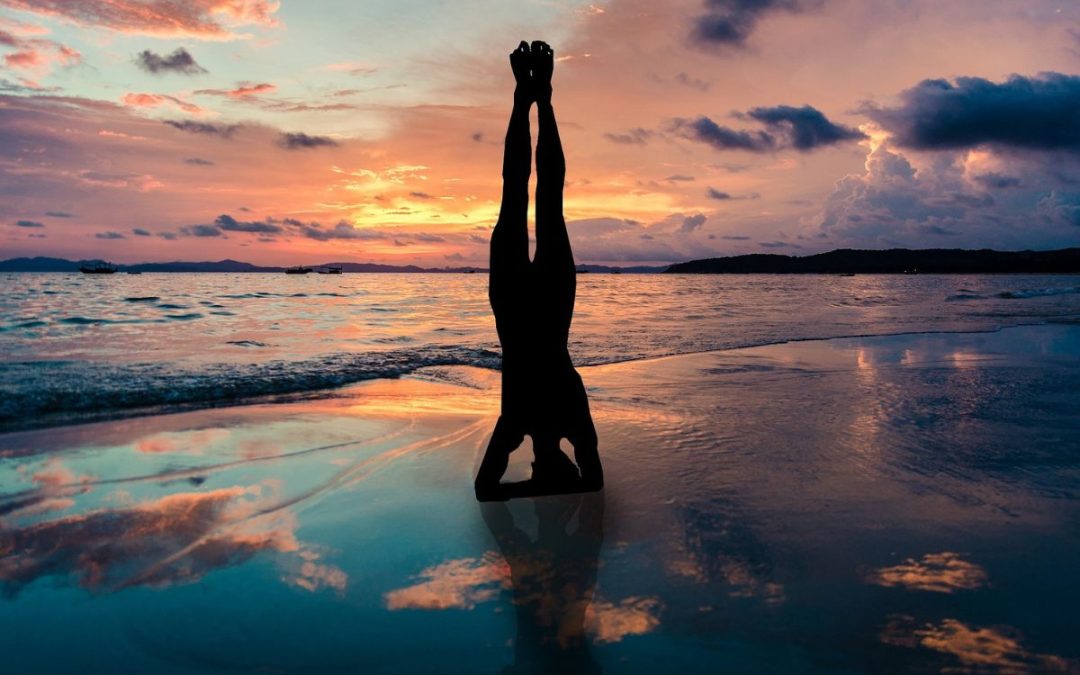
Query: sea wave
(72, 391)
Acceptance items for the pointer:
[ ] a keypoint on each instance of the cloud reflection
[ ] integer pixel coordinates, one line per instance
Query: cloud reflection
(938, 572)
(175, 539)
(978, 650)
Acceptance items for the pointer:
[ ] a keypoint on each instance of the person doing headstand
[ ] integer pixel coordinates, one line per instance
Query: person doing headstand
(533, 302)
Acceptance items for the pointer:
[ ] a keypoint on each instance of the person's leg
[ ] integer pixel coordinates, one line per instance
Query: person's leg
(554, 262)
(510, 239)
(508, 271)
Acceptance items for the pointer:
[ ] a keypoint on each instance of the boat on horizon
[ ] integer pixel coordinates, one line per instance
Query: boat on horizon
(300, 269)
(330, 269)
(99, 267)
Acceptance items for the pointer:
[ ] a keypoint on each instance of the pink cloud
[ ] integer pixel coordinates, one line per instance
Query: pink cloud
(36, 53)
(193, 18)
(135, 100)
(243, 90)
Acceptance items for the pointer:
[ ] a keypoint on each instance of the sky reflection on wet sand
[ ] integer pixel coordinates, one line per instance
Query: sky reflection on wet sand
(878, 504)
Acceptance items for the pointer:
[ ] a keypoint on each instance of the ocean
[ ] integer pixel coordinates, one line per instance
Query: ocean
(75, 347)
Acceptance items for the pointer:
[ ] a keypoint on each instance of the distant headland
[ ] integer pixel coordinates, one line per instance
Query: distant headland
(892, 261)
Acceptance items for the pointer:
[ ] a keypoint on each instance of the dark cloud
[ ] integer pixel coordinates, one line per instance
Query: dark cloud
(180, 61)
(636, 136)
(679, 178)
(169, 236)
(478, 136)
(205, 128)
(230, 224)
(424, 236)
(342, 230)
(59, 214)
(997, 181)
(691, 223)
(300, 140)
(420, 195)
(713, 193)
(198, 161)
(139, 232)
(778, 244)
(109, 235)
(704, 130)
(806, 128)
(201, 231)
(1036, 113)
(692, 82)
(735, 237)
(28, 223)
(730, 22)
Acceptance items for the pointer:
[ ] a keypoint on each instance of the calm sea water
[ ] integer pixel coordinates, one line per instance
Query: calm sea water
(74, 346)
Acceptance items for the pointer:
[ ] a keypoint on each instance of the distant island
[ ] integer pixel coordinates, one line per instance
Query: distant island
(892, 261)
(45, 264)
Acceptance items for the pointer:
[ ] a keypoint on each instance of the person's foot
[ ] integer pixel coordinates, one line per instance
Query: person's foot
(543, 65)
(521, 64)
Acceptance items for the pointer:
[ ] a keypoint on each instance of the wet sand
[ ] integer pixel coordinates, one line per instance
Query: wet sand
(887, 504)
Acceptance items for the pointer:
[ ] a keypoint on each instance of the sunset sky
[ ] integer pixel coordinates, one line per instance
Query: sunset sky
(334, 130)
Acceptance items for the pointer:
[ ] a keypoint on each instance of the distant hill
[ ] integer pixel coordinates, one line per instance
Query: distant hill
(42, 264)
(892, 261)
(638, 269)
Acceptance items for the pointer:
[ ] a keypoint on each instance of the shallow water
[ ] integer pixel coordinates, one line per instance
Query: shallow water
(78, 346)
(868, 505)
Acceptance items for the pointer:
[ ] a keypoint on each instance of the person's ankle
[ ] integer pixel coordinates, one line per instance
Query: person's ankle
(523, 95)
(543, 95)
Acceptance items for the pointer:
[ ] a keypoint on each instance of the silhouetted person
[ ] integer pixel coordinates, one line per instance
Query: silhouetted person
(553, 580)
(533, 301)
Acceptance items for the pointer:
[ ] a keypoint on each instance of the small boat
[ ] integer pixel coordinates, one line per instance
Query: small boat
(99, 267)
(298, 270)
(330, 269)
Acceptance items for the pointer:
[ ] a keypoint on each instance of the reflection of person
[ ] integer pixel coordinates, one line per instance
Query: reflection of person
(553, 581)
(533, 301)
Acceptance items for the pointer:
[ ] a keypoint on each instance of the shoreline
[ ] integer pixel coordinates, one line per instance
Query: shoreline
(299, 395)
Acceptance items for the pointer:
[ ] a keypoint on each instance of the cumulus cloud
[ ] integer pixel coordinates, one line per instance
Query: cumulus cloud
(342, 230)
(180, 61)
(691, 223)
(1036, 113)
(203, 19)
(730, 22)
(804, 129)
(300, 140)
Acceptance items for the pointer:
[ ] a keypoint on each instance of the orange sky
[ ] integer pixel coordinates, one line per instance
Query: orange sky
(290, 132)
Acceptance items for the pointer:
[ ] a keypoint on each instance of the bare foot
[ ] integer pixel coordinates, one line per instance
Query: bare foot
(521, 64)
(543, 64)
